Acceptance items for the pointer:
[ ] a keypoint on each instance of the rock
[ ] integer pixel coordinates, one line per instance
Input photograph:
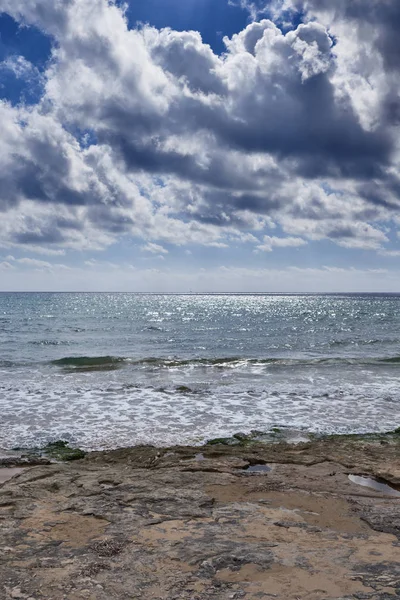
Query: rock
(22, 461)
(16, 593)
(149, 523)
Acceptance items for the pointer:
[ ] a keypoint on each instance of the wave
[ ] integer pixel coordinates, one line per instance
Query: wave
(114, 362)
(89, 362)
(242, 361)
(370, 342)
(80, 362)
(8, 364)
(49, 343)
(92, 363)
(393, 359)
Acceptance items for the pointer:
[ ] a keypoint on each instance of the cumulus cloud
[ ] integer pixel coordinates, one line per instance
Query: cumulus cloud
(148, 133)
(377, 21)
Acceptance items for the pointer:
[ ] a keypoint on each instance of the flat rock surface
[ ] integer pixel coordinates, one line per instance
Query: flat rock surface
(147, 523)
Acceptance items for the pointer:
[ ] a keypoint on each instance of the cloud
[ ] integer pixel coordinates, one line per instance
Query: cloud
(390, 253)
(32, 262)
(154, 248)
(255, 8)
(102, 275)
(4, 266)
(147, 133)
(19, 66)
(269, 243)
(377, 22)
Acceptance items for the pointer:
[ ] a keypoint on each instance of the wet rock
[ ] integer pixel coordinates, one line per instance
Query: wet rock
(22, 461)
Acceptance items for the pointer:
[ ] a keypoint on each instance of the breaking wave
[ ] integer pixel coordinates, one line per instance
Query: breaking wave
(84, 362)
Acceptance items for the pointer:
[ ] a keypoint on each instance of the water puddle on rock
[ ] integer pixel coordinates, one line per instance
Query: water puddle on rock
(257, 469)
(375, 484)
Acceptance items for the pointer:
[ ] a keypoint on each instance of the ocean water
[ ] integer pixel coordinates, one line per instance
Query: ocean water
(108, 370)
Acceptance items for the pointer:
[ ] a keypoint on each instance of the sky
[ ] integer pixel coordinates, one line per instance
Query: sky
(200, 145)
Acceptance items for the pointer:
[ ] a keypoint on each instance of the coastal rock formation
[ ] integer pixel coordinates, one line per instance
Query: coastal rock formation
(199, 524)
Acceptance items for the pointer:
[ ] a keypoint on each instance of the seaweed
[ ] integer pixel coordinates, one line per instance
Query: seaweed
(60, 450)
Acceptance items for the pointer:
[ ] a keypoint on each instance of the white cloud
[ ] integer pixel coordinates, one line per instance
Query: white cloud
(154, 248)
(390, 253)
(29, 262)
(276, 242)
(32, 262)
(20, 67)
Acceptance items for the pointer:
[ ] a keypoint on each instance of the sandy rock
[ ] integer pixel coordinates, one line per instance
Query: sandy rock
(165, 524)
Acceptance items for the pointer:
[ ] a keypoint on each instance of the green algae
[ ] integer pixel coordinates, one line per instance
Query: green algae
(61, 451)
(58, 450)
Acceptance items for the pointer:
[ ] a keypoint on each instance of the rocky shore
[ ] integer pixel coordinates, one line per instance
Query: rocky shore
(224, 521)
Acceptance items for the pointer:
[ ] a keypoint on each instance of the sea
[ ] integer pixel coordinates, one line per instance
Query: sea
(106, 370)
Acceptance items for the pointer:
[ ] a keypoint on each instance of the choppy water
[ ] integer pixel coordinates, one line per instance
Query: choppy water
(107, 370)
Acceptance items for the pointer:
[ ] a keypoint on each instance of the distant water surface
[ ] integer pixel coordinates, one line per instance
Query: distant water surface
(108, 370)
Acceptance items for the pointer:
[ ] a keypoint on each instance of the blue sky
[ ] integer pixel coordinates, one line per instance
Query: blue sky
(204, 145)
(213, 18)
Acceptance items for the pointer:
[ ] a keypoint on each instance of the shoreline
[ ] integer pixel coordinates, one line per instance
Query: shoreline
(62, 451)
(250, 520)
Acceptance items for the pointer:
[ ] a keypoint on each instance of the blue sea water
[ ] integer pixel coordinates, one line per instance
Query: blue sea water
(108, 370)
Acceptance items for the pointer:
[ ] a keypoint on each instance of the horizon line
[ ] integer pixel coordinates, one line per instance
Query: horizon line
(190, 293)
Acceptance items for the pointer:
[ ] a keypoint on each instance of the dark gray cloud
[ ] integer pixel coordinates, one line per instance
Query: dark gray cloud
(41, 238)
(325, 139)
(109, 220)
(298, 121)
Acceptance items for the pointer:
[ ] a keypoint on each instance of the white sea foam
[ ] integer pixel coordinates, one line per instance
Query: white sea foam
(115, 415)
